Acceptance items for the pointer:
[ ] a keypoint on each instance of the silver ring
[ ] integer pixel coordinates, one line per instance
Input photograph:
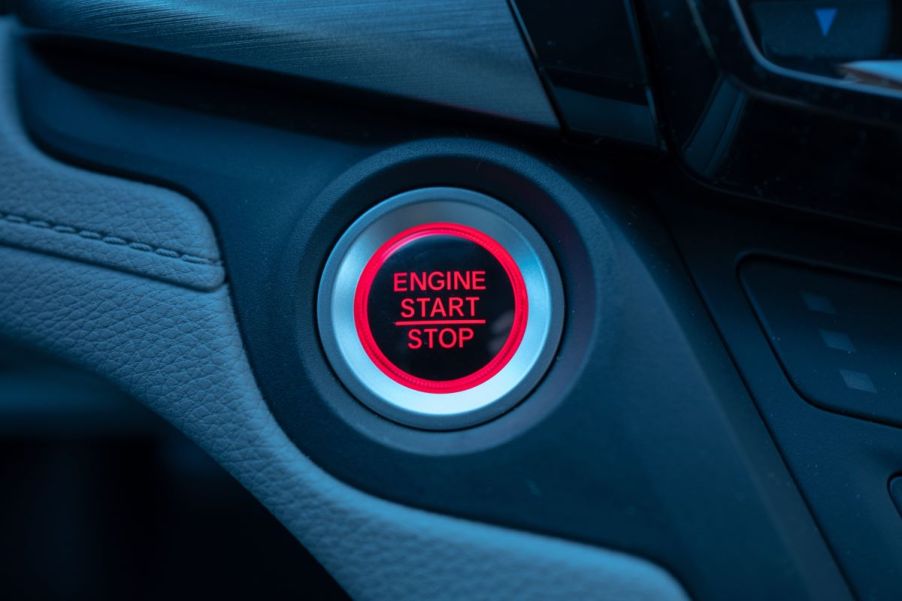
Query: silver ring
(429, 410)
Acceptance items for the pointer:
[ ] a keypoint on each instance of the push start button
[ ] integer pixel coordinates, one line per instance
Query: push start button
(440, 308)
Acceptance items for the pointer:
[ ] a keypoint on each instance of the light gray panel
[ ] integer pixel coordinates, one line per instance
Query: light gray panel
(461, 53)
(54, 208)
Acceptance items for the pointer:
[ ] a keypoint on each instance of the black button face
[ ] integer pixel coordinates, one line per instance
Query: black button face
(441, 307)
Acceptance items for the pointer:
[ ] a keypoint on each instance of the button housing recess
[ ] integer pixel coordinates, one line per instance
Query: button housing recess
(440, 308)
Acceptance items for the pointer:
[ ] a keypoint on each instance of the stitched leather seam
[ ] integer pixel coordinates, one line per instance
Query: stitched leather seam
(112, 240)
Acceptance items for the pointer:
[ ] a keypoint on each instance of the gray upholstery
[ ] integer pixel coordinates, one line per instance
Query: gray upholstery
(163, 329)
(56, 209)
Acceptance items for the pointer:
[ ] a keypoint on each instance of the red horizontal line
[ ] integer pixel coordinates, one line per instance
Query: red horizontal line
(443, 322)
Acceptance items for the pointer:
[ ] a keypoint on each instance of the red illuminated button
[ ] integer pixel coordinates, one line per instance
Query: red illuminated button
(441, 308)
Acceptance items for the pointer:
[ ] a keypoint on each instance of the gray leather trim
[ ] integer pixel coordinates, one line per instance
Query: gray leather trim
(467, 54)
(178, 350)
(54, 208)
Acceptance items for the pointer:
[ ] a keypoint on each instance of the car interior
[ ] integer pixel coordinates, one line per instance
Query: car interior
(473, 299)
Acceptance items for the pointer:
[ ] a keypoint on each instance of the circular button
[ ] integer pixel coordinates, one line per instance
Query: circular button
(440, 308)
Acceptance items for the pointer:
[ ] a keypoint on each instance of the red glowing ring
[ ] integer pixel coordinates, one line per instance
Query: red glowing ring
(483, 374)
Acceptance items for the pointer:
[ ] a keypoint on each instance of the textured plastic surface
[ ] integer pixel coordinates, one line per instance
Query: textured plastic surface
(462, 53)
(179, 351)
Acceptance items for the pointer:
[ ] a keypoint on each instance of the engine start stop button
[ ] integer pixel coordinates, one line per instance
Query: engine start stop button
(440, 308)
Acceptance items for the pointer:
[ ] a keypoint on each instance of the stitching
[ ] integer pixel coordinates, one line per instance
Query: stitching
(59, 228)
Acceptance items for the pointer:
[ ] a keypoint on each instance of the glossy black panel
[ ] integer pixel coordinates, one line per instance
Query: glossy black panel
(744, 125)
(591, 58)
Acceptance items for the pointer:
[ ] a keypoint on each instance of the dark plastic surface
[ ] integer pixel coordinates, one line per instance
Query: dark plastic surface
(838, 336)
(895, 491)
(732, 46)
(812, 35)
(591, 60)
(745, 125)
(640, 437)
(842, 463)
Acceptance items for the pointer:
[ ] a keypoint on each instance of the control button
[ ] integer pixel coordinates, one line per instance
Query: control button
(440, 308)
(800, 33)
(838, 336)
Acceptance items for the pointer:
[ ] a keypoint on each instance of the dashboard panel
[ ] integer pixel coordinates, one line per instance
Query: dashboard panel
(618, 275)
